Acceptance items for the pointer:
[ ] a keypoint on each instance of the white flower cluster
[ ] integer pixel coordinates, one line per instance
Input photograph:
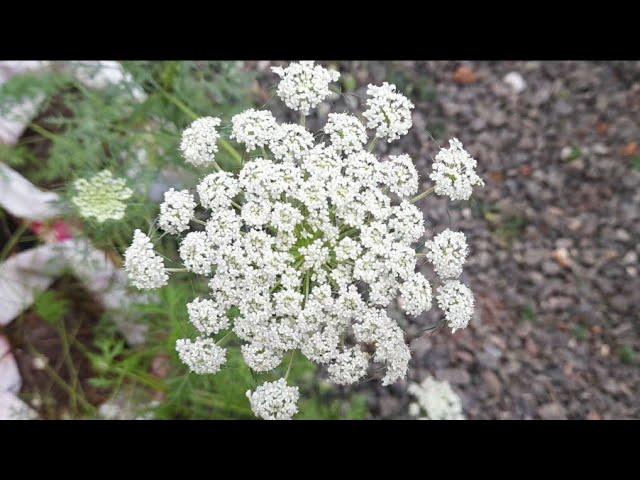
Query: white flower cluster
(308, 245)
(436, 399)
(176, 211)
(456, 301)
(447, 252)
(454, 172)
(202, 355)
(274, 400)
(144, 267)
(200, 141)
(304, 85)
(101, 197)
(388, 112)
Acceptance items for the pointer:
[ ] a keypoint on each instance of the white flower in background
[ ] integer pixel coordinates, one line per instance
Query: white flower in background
(346, 132)
(254, 128)
(304, 85)
(388, 112)
(176, 211)
(101, 197)
(207, 316)
(447, 252)
(201, 355)
(416, 294)
(200, 141)
(143, 265)
(436, 399)
(456, 301)
(274, 400)
(454, 172)
(308, 244)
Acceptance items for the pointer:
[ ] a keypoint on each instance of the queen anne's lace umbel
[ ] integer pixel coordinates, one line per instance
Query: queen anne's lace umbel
(101, 197)
(437, 399)
(308, 244)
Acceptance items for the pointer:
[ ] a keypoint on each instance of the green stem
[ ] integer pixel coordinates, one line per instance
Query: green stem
(420, 196)
(13, 240)
(293, 353)
(372, 144)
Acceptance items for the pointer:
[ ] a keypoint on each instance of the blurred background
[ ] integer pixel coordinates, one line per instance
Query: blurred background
(553, 237)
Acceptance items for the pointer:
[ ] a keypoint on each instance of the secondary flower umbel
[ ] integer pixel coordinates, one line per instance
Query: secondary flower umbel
(307, 245)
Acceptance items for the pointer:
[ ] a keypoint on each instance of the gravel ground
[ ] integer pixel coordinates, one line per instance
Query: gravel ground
(554, 235)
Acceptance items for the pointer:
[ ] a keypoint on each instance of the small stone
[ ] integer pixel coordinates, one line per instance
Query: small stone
(465, 76)
(457, 376)
(515, 81)
(492, 381)
(552, 411)
(561, 255)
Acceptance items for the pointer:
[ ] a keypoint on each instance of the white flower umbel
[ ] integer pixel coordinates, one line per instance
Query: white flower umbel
(456, 301)
(217, 190)
(454, 172)
(207, 316)
(309, 243)
(388, 112)
(346, 132)
(101, 197)
(436, 399)
(402, 177)
(291, 142)
(254, 128)
(197, 253)
(201, 355)
(274, 400)
(304, 85)
(349, 367)
(447, 252)
(176, 211)
(200, 141)
(144, 267)
(415, 294)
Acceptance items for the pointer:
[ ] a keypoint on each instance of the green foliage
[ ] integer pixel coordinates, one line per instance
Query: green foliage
(627, 355)
(51, 307)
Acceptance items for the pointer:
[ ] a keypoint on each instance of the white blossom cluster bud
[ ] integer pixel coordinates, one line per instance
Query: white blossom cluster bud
(199, 143)
(307, 245)
(143, 265)
(101, 197)
(403, 176)
(456, 301)
(416, 294)
(346, 132)
(304, 85)
(349, 367)
(274, 400)
(437, 400)
(254, 128)
(207, 316)
(291, 142)
(447, 252)
(176, 211)
(388, 112)
(201, 355)
(454, 172)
